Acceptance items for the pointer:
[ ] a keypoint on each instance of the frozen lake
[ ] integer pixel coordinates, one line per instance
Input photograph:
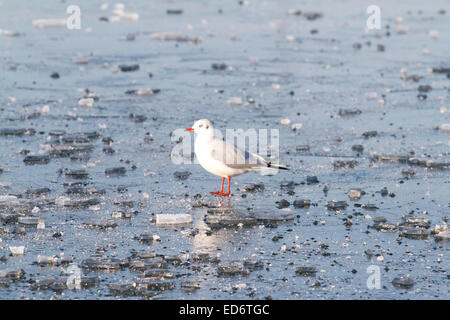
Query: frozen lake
(370, 110)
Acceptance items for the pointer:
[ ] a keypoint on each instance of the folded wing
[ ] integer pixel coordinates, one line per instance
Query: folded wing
(235, 157)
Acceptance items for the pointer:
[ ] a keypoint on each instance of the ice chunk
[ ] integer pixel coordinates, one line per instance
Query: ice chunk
(86, 102)
(49, 23)
(173, 219)
(9, 33)
(403, 282)
(148, 238)
(285, 122)
(235, 101)
(42, 159)
(143, 92)
(234, 268)
(305, 271)
(182, 175)
(103, 264)
(61, 201)
(100, 224)
(190, 286)
(13, 274)
(117, 171)
(139, 265)
(17, 132)
(371, 95)
(128, 67)
(171, 36)
(355, 194)
(337, 205)
(47, 260)
(443, 236)
(8, 198)
(416, 222)
(17, 250)
(302, 203)
(346, 164)
(440, 228)
(119, 11)
(295, 12)
(30, 221)
(445, 127)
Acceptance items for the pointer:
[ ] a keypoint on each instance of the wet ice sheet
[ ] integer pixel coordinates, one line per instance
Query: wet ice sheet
(359, 116)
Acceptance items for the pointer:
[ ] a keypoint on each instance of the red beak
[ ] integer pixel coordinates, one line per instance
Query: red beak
(189, 129)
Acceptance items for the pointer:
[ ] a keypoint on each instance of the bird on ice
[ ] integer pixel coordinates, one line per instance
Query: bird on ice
(224, 159)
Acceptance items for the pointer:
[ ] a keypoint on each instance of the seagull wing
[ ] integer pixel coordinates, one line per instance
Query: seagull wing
(235, 157)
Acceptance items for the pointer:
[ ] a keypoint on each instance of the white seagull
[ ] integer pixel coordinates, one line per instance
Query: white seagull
(224, 159)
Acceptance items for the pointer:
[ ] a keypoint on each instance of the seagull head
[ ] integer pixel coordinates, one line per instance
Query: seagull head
(202, 127)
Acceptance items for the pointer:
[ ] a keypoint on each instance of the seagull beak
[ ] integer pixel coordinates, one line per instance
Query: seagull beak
(189, 129)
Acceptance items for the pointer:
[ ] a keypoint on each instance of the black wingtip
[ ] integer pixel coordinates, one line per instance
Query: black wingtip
(278, 166)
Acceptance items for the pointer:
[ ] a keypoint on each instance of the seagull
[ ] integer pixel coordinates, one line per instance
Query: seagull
(224, 159)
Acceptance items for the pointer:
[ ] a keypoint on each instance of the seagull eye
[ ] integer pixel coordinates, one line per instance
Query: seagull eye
(207, 127)
(200, 126)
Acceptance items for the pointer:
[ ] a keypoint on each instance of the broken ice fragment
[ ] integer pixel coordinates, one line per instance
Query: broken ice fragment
(369, 134)
(32, 160)
(336, 205)
(311, 180)
(403, 282)
(415, 233)
(37, 191)
(30, 221)
(100, 224)
(128, 68)
(410, 221)
(173, 219)
(148, 238)
(182, 175)
(339, 164)
(219, 66)
(47, 260)
(255, 187)
(17, 132)
(171, 36)
(445, 127)
(118, 171)
(190, 286)
(143, 92)
(443, 236)
(302, 203)
(305, 271)
(143, 265)
(349, 112)
(408, 173)
(77, 174)
(102, 264)
(355, 194)
(283, 203)
(49, 23)
(17, 251)
(358, 147)
(86, 102)
(235, 268)
(230, 218)
(13, 274)
(235, 101)
(369, 206)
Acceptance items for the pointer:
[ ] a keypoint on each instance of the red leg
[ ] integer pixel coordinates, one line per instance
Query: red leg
(229, 183)
(221, 188)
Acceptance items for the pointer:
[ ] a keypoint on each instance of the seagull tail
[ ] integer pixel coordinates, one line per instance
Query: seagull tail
(278, 166)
